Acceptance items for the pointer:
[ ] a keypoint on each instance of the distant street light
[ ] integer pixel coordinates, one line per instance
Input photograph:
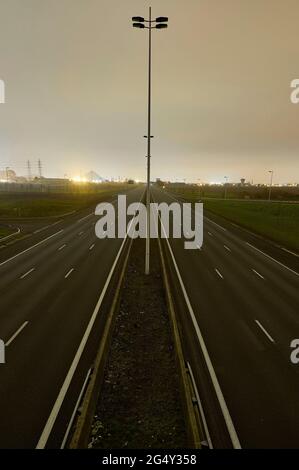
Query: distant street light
(271, 183)
(158, 23)
(225, 187)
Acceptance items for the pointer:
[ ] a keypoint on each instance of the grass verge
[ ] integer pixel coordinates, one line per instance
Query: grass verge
(278, 221)
(31, 205)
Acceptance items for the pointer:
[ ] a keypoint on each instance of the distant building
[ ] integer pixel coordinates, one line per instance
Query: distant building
(177, 184)
(8, 175)
(93, 177)
(50, 181)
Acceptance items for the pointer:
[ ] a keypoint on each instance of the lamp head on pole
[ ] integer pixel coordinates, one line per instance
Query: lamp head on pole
(161, 19)
(138, 19)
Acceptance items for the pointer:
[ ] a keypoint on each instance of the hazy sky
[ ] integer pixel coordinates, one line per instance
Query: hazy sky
(76, 83)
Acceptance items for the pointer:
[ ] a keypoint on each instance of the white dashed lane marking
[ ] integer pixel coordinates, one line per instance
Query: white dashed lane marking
(27, 274)
(258, 274)
(69, 273)
(219, 273)
(264, 331)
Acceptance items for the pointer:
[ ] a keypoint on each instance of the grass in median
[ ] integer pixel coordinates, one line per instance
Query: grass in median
(277, 221)
(30, 205)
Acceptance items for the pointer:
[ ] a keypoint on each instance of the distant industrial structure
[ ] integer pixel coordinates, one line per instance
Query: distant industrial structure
(93, 177)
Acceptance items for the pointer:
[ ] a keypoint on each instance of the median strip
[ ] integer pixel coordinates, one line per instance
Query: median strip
(142, 340)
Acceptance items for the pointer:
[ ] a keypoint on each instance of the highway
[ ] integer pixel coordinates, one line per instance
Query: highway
(51, 289)
(237, 297)
(245, 308)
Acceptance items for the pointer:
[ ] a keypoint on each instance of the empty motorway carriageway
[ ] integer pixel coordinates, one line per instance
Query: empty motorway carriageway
(236, 307)
(237, 303)
(55, 290)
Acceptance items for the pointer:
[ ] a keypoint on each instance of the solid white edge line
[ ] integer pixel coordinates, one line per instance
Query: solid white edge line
(11, 235)
(92, 213)
(219, 273)
(42, 241)
(273, 259)
(27, 274)
(86, 217)
(288, 251)
(47, 226)
(258, 274)
(201, 410)
(67, 381)
(226, 414)
(249, 244)
(264, 331)
(66, 435)
(31, 247)
(16, 333)
(212, 221)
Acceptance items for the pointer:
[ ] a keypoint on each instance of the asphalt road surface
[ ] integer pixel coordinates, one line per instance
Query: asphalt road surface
(50, 285)
(246, 308)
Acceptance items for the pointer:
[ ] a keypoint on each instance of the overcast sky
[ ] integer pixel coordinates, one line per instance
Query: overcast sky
(76, 83)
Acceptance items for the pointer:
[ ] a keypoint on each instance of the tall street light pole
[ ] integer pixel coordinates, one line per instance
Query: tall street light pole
(158, 23)
(271, 183)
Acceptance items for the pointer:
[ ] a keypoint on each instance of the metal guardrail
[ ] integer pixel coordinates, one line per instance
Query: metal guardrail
(196, 435)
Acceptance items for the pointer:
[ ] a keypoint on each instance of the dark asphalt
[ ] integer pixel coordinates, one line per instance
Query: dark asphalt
(58, 310)
(246, 306)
